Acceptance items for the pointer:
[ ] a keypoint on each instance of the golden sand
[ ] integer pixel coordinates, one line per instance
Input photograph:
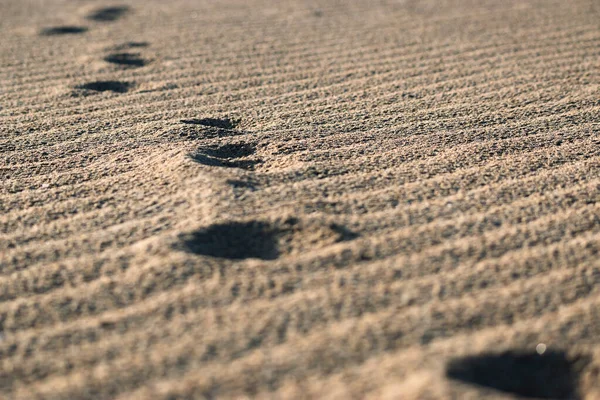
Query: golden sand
(388, 199)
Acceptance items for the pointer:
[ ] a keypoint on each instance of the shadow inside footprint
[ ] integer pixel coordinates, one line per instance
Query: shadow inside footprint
(211, 122)
(106, 86)
(126, 59)
(231, 150)
(262, 239)
(242, 164)
(227, 156)
(108, 13)
(234, 241)
(63, 30)
(547, 376)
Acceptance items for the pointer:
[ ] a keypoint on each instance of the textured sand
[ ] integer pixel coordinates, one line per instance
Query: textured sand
(299, 199)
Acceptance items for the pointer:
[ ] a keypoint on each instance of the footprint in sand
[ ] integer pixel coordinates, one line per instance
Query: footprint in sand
(224, 123)
(551, 375)
(120, 55)
(108, 14)
(235, 241)
(63, 30)
(106, 86)
(232, 155)
(126, 59)
(265, 240)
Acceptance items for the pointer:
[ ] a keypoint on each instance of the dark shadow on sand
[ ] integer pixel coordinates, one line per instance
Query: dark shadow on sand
(551, 375)
(107, 86)
(234, 241)
(63, 30)
(108, 14)
(227, 155)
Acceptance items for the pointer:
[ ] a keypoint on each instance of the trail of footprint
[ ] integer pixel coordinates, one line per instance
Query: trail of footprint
(106, 86)
(266, 240)
(63, 30)
(108, 14)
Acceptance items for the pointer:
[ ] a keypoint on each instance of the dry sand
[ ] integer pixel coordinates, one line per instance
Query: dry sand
(299, 199)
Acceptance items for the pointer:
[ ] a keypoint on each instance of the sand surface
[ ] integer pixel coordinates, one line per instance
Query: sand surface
(387, 199)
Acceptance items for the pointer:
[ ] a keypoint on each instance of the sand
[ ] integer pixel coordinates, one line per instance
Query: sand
(334, 199)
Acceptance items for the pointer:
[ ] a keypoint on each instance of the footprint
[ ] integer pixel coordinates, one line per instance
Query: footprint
(225, 123)
(232, 150)
(551, 375)
(107, 86)
(227, 156)
(262, 239)
(235, 241)
(108, 14)
(63, 30)
(126, 59)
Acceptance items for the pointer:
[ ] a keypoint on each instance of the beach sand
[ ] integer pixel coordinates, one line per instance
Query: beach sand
(334, 199)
